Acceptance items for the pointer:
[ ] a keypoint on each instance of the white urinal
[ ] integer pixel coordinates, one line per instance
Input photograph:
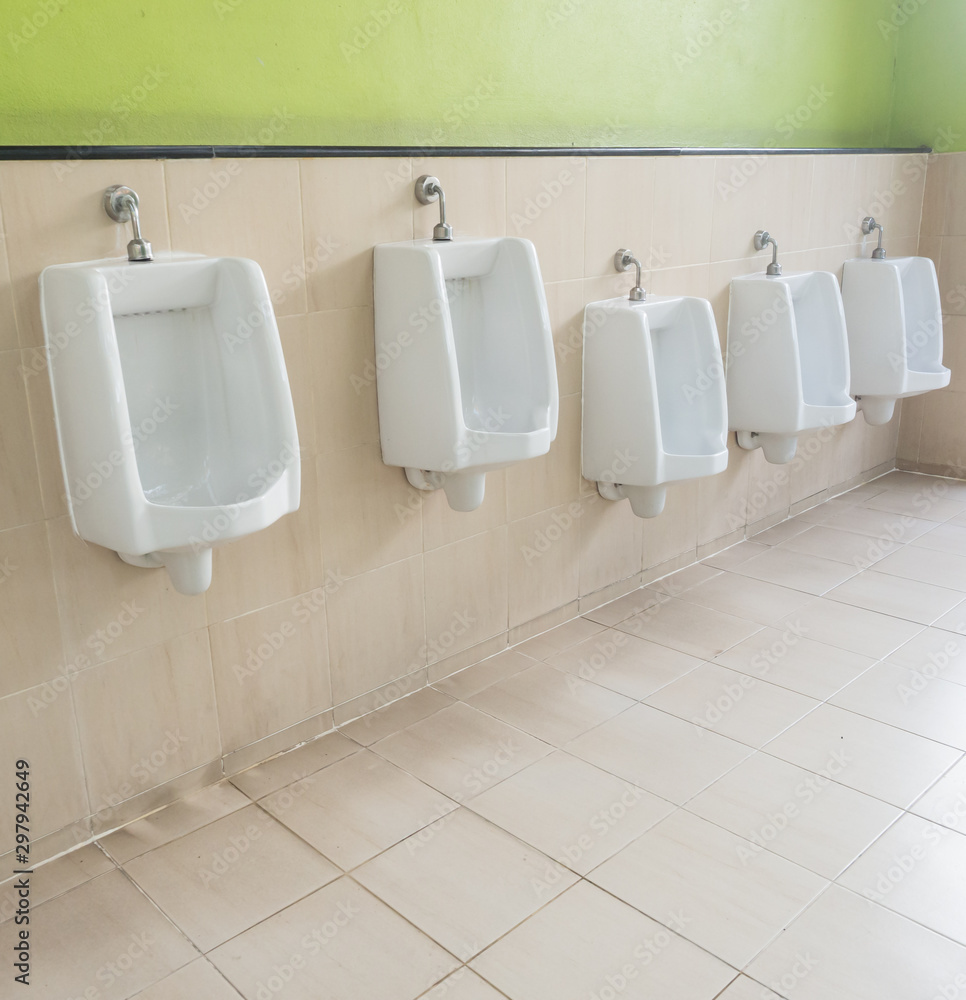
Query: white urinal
(787, 360)
(172, 405)
(653, 406)
(894, 316)
(465, 372)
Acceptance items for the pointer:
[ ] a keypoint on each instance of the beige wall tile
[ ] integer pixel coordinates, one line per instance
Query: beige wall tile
(543, 562)
(722, 499)
(370, 515)
(910, 428)
(242, 208)
(831, 221)
(620, 203)
(760, 192)
(610, 543)
(30, 646)
(955, 199)
(46, 450)
(377, 629)
(349, 205)
(53, 213)
(166, 698)
(683, 205)
(545, 204)
(271, 669)
(952, 275)
(466, 592)
(341, 362)
(552, 479)
(8, 318)
(934, 196)
(565, 303)
(282, 561)
(475, 189)
(673, 532)
(43, 732)
(108, 608)
(871, 191)
(908, 186)
(442, 524)
(941, 441)
(19, 485)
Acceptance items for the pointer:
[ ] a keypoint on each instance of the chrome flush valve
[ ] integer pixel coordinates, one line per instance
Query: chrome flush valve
(121, 204)
(428, 190)
(869, 226)
(762, 239)
(623, 260)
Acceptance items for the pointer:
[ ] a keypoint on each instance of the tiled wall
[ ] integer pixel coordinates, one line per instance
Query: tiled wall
(932, 436)
(124, 694)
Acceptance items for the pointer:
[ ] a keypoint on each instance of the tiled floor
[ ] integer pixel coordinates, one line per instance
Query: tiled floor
(745, 782)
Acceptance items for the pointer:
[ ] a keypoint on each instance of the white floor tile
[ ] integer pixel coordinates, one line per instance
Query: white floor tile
(868, 756)
(917, 869)
(929, 707)
(729, 898)
(787, 657)
(624, 663)
(341, 943)
(464, 881)
(572, 811)
(855, 629)
(845, 947)
(805, 817)
(945, 802)
(733, 704)
(588, 944)
(666, 755)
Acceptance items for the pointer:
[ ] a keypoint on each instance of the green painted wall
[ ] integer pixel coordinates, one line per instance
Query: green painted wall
(930, 104)
(448, 72)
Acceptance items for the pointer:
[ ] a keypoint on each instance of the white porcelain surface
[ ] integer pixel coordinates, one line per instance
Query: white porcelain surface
(787, 359)
(465, 371)
(653, 397)
(172, 404)
(894, 316)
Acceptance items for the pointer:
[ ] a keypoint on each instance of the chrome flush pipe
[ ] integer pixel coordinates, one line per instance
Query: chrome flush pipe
(121, 204)
(623, 260)
(762, 239)
(428, 190)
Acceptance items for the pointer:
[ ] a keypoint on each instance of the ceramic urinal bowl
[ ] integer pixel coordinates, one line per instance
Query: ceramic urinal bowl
(172, 405)
(465, 371)
(787, 360)
(653, 398)
(894, 318)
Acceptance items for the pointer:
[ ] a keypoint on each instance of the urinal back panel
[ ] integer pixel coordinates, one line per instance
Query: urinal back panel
(894, 317)
(620, 412)
(821, 338)
(689, 377)
(763, 369)
(922, 312)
